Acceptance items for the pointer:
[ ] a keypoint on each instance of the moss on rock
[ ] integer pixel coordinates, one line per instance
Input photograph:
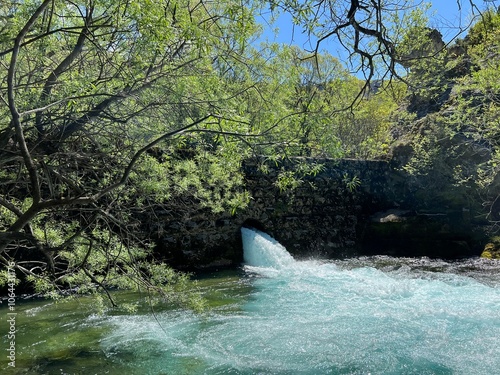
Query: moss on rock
(492, 249)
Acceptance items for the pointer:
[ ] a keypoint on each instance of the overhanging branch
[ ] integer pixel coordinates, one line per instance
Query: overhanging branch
(28, 160)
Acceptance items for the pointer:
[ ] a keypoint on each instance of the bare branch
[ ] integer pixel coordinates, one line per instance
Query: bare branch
(67, 130)
(69, 30)
(30, 165)
(54, 75)
(11, 207)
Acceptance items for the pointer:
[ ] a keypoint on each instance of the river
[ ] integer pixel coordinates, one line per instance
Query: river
(276, 315)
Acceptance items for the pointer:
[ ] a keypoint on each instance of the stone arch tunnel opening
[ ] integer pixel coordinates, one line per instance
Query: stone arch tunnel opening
(254, 224)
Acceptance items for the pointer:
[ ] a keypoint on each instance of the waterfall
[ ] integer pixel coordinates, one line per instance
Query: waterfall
(261, 250)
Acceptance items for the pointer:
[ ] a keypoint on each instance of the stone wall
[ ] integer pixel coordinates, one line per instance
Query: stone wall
(322, 217)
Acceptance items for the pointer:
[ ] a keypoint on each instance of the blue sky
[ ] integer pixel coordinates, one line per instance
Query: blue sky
(444, 15)
(447, 17)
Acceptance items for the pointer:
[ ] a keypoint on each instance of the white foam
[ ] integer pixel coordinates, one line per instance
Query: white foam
(262, 250)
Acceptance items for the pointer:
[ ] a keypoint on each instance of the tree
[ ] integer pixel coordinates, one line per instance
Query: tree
(360, 27)
(367, 32)
(92, 91)
(478, 109)
(319, 119)
(455, 140)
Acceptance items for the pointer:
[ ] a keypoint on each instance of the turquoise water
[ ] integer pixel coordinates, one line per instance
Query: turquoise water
(377, 315)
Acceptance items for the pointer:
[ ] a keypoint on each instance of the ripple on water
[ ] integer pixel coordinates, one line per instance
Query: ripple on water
(372, 315)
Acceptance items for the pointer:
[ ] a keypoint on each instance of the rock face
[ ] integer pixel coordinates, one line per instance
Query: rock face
(435, 45)
(317, 218)
(323, 217)
(320, 217)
